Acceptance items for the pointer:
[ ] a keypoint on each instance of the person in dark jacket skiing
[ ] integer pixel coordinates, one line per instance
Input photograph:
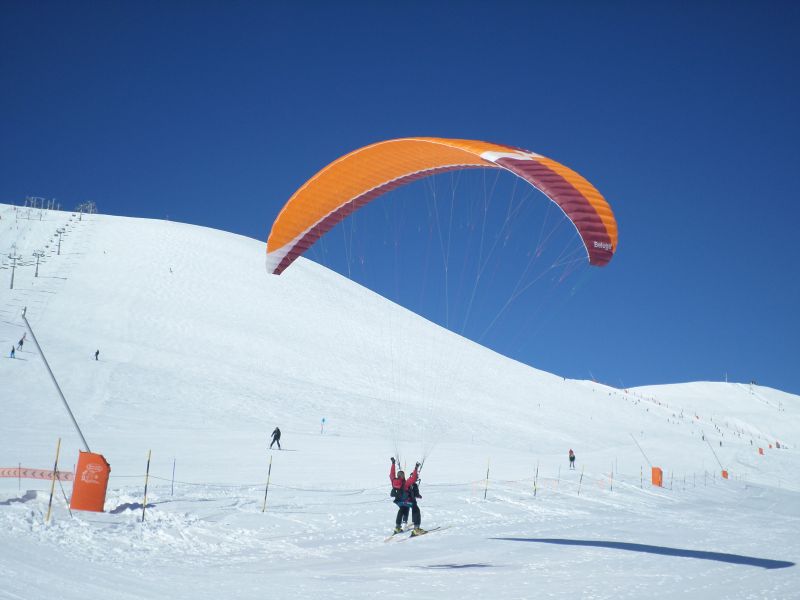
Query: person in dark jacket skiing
(415, 493)
(571, 459)
(405, 498)
(276, 438)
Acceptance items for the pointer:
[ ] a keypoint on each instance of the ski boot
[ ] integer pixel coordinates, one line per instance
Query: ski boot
(398, 529)
(417, 531)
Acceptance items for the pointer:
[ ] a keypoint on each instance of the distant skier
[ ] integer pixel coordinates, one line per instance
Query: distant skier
(21, 341)
(571, 459)
(405, 498)
(276, 438)
(12, 350)
(96, 354)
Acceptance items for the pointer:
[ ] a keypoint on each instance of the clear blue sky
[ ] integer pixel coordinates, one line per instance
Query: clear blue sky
(685, 115)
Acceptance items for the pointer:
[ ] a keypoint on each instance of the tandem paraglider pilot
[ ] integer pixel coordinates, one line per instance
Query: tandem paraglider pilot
(403, 492)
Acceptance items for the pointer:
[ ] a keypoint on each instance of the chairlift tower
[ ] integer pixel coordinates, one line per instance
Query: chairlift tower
(38, 254)
(14, 258)
(59, 233)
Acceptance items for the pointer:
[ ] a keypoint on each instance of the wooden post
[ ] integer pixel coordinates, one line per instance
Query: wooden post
(146, 479)
(612, 479)
(172, 489)
(266, 490)
(580, 481)
(53, 482)
(535, 479)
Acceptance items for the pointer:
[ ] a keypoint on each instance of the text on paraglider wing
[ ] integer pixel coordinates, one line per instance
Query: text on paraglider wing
(602, 245)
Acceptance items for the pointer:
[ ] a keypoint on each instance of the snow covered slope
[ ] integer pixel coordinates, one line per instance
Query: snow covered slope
(202, 354)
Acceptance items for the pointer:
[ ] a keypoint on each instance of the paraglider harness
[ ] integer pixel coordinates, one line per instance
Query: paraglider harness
(405, 497)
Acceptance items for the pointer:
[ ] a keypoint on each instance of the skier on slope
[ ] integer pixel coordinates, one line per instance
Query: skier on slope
(571, 459)
(276, 438)
(405, 499)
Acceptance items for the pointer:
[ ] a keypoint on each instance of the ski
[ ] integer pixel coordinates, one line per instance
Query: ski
(396, 533)
(424, 532)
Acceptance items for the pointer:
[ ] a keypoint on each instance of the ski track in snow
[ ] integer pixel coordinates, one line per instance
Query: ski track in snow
(202, 354)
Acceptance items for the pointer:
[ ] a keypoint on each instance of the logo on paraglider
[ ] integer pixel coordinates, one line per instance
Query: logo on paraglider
(602, 245)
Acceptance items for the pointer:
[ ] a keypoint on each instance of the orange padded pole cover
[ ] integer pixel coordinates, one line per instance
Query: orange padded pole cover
(724, 474)
(658, 476)
(91, 481)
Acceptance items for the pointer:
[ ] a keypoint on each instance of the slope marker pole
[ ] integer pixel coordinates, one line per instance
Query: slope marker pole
(266, 490)
(486, 486)
(146, 480)
(53, 482)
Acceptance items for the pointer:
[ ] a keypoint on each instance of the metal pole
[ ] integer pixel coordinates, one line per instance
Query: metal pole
(640, 450)
(14, 258)
(710, 447)
(53, 378)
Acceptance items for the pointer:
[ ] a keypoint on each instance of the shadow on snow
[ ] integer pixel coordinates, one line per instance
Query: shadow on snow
(456, 566)
(737, 559)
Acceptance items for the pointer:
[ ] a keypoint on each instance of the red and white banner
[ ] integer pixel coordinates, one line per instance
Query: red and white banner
(26, 473)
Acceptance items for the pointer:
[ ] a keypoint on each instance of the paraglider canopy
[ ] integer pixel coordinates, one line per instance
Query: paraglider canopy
(361, 176)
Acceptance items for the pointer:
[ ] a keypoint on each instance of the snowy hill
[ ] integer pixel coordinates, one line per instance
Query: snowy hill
(202, 354)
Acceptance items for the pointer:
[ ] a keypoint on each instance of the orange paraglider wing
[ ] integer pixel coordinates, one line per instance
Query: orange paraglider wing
(355, 179)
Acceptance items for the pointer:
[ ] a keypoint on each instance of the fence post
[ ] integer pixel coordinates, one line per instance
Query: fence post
(486, 487)
(580, 481)
(146, 479)
(535, 479)
(266, 490)
(53, 483)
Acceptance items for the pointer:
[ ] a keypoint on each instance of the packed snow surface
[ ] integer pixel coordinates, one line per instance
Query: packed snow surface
(202, 354)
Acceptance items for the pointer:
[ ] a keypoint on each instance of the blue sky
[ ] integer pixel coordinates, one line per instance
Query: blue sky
(684, 115)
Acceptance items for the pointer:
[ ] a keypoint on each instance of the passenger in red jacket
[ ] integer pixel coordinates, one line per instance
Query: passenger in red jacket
(404, 497)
